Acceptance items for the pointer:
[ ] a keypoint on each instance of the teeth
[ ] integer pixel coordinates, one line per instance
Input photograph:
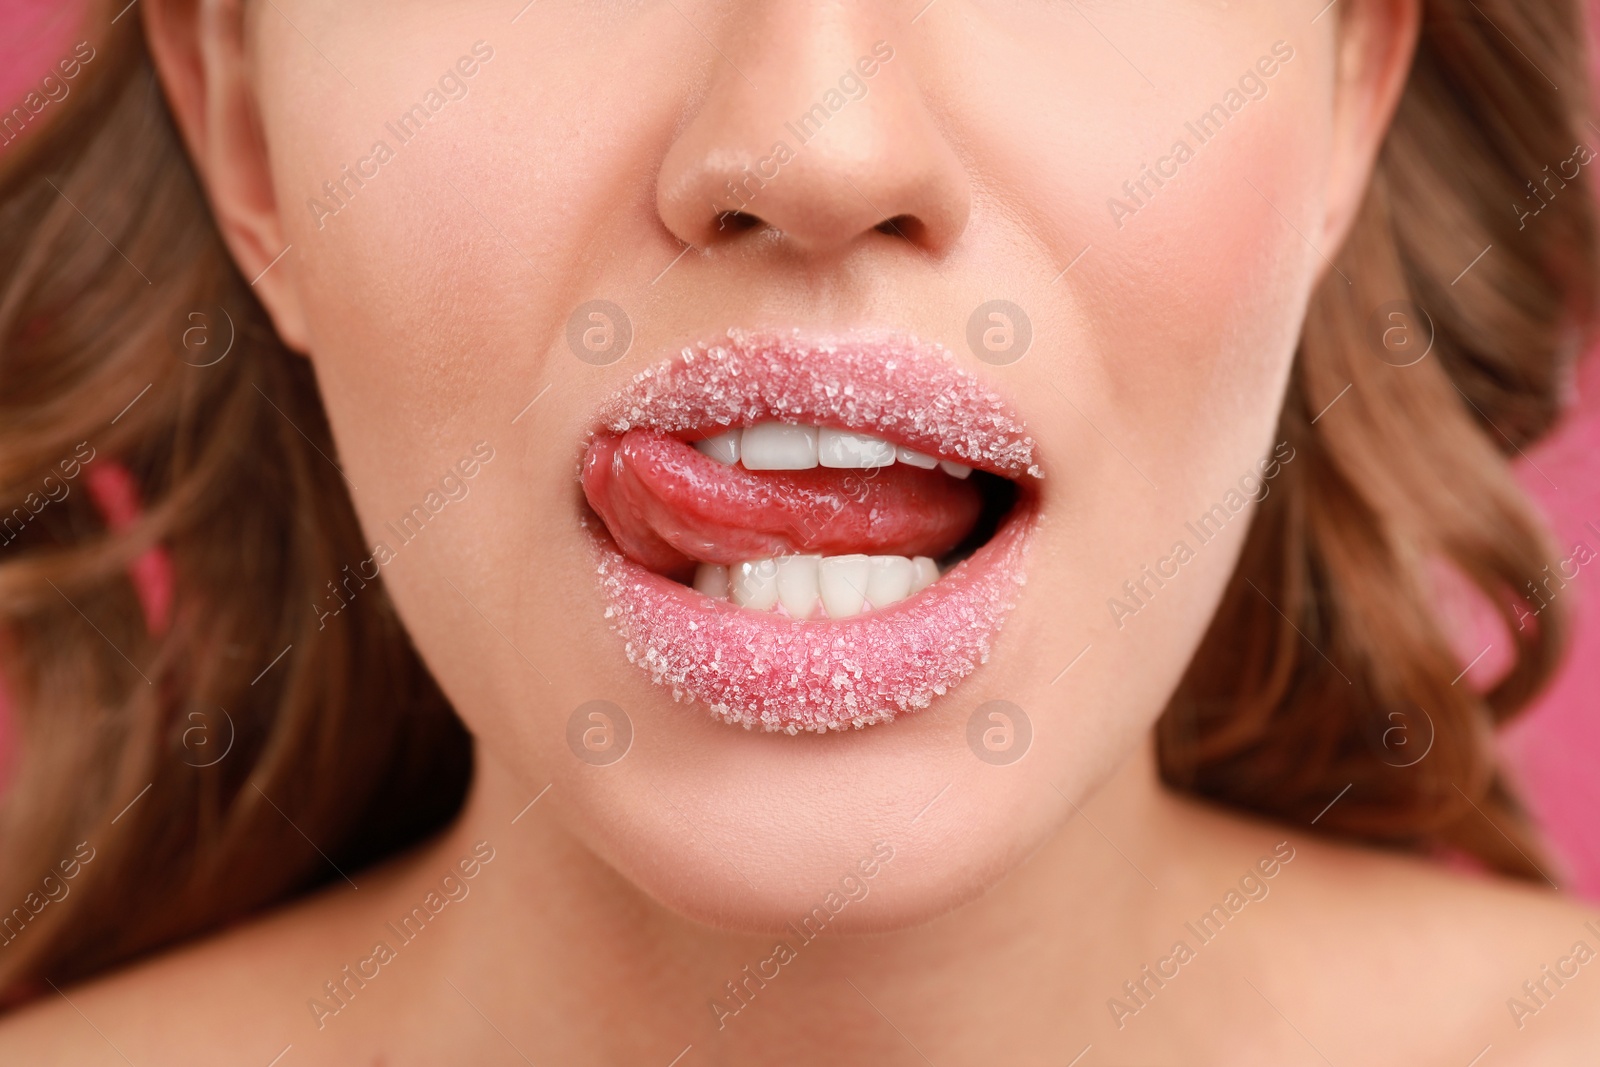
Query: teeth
(724, 448)
(787, 446)
(890, 581)
(779, 446)
(829, 587)
(852, 451)
(798, 585)
(712, 580)
(845, 584)
(755, 584)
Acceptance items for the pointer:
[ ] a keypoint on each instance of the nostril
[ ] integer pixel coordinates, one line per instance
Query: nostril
(738, 221)
(908, 227)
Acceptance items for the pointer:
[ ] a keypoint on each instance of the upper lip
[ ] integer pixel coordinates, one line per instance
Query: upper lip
(886, 383)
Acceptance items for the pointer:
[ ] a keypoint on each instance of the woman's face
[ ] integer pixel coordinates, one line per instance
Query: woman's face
(884, 203)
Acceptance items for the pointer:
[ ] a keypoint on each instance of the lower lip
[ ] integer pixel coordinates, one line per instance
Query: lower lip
(767, 671)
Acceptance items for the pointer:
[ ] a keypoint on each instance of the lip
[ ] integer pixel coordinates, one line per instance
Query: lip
(771, 672)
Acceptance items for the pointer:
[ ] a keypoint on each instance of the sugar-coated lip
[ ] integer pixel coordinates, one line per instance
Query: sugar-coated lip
(888, 384)
(771, 672)
(768, 671)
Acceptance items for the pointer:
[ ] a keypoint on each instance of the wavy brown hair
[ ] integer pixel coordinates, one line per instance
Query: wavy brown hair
(343, 748)
(1327, 656)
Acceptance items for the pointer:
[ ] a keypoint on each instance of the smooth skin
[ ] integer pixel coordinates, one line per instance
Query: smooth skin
(585, 155)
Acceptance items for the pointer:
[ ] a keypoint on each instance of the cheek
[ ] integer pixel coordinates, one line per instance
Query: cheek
(1191, 263)
(1196, 310)
(1200, 295)
(1172, 335)
(437, 293)
(438, 287)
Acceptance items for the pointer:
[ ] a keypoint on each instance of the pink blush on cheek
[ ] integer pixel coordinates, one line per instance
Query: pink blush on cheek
(1206, 286)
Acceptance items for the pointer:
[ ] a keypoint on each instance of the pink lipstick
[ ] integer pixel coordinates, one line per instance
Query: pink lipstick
(809, 533)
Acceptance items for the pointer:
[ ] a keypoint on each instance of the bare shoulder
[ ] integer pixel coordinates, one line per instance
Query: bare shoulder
(234, 989)
(1366, 945)
(244, 989)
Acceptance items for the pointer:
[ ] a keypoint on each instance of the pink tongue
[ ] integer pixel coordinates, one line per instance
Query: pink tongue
(668, 506)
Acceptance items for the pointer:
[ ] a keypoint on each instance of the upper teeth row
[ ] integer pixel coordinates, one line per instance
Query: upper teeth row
(786, 446)
(842, 586)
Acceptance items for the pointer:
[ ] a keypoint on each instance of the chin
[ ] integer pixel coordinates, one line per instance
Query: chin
(752, 833)
(807, 555)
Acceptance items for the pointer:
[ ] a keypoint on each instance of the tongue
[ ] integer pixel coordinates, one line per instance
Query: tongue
(668, 506)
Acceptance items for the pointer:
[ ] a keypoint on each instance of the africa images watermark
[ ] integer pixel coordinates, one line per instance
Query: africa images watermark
(1549, 586)
(853, 887)
(52, 890)
(340, 990)
(452, 86)
(452, 487)
(805, 127)
(1253, 487)
(1537, 993)
(1140, 990)
(1206, 127)
(52, 89)
(1544, 194)
(55, 488)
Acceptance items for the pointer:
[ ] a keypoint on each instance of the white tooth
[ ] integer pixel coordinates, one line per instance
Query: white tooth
(843, 581)
(755, 584)
(712, 580)
(927, 572)
(779, 446)
(797, 585)
(853, 451)
(955, 470)
(915, 458)
(724, 448)
(890, 580)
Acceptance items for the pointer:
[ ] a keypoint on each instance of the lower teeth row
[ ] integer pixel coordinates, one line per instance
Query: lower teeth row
(834, 587)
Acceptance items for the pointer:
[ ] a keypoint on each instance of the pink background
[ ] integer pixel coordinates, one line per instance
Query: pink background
(1553, 748)
(33, 35)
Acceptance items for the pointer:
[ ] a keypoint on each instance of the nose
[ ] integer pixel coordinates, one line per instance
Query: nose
(813, 134)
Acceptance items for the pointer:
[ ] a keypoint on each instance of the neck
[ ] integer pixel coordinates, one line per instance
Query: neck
(573, 947)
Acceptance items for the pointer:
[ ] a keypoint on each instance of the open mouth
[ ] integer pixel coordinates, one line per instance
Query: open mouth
(809, 534)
